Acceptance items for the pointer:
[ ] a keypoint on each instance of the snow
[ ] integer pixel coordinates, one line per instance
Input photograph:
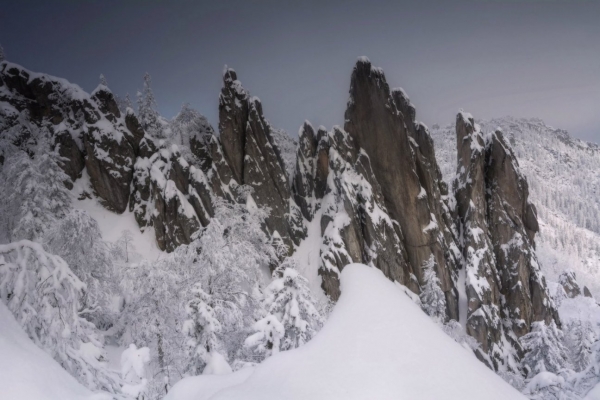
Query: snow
(308, 257)
(216, 365)
(594, 394)
(29, 373)
(112, 225)
(377, 344)
(204, 387)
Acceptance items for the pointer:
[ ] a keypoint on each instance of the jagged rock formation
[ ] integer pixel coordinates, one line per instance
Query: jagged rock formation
(254, 156)
(497, 224)
(336, 178)
(373, 187)
(403, 161)
(89, 128)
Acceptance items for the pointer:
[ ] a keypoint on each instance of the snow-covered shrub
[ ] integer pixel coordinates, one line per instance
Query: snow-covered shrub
(133, 371)
(456, 331)
(44, 296)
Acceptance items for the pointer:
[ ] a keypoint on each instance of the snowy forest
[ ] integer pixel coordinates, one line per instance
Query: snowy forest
(145, 257)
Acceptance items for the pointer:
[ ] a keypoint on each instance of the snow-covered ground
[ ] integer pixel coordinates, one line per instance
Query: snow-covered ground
(28, 373)
(377, 344)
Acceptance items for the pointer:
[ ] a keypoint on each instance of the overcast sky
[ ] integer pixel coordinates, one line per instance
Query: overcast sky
(491, 58)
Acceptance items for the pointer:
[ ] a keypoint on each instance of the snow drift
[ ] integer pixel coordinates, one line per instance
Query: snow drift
(29, 373)
(377, 344)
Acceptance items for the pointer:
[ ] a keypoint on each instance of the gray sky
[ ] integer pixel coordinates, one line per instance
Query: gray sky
(492, 58)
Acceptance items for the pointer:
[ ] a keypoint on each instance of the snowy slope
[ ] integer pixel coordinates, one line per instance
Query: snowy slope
(377, 344)
(28, 373)
(564, 184)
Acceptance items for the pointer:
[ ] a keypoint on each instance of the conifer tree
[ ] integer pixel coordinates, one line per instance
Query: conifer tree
(581, 338)
(433, 299)
(37, 190)
(147, 109)
(544, 349)
(201, 328)
(291, 316)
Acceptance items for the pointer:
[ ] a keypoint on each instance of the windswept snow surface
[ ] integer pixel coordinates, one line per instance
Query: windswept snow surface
(28, 373)
(377, 344)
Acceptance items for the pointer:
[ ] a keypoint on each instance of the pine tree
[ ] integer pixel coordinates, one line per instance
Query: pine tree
(103, 81)
(432, 297)
(544, 349)
(202, 328)
(36, 187)
(288, 301)
(147, 109)
(78, 240)
(268, 336)
(581, 337)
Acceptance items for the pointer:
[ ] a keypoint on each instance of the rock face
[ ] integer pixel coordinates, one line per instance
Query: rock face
(381, 122)
(253, 155)
(88, 128)
(354, 221)
(497, 224)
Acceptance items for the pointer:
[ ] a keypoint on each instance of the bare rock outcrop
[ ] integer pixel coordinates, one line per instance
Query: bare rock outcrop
(505, 288)
(404, 165)
(253, 155)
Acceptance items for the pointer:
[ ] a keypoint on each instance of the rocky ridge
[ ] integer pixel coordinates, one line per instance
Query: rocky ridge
(374, 186)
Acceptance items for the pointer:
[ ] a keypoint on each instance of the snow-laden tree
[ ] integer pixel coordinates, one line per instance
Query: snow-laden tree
(44, 296)
(153, 316)
(432, 297)
(148, 115)
(202, 327)
(123, 247)
(189, 123)
(227, 258)
(78, 240)
(580, 338)
(544, 349)
(35, 190)
(218, 272)
(103, 80)
(291, 319)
